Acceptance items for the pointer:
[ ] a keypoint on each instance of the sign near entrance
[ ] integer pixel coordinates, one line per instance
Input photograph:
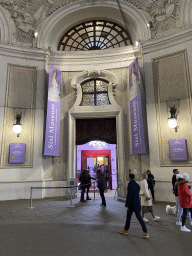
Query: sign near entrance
(178, 149)
(137, 126)
(52, 135)
(17, 153)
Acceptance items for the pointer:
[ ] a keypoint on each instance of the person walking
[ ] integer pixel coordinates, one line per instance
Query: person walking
(180, 181)
(146, 202)
(133, 205)
(151, 183)
(101, 185)
(175, 172)
(185, 200)
(84, 181)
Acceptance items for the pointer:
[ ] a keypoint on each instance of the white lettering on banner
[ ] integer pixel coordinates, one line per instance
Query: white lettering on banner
(136, 140)
(50, 142)
(52, 126)
(135, 125)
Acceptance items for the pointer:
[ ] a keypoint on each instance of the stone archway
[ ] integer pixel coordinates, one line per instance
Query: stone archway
(54, 26)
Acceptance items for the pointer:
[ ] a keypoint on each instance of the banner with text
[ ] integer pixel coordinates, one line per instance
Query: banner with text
(52, 134)
(137, 126)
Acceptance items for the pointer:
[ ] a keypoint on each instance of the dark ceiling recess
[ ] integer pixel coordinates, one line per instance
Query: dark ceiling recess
(94, 35)
(103, 129)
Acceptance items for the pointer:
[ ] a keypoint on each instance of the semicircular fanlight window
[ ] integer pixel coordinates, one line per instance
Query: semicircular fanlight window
(94, 35)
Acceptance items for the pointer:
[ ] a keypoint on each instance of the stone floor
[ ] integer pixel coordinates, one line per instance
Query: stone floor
(52, 228)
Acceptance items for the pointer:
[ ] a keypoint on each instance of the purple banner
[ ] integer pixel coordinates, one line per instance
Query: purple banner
(17, 153)
(52, 135)
(137, 129)
(178, 150)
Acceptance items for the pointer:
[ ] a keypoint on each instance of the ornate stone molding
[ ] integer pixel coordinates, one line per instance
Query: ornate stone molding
(28, 14)
(93, 74)
(161, 11)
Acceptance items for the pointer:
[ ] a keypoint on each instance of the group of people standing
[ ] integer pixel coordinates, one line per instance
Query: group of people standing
(85, 179)
(181, 190)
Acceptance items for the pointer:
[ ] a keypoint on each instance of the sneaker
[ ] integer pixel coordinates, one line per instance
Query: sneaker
(146, 220)
(82, 200)
(183, 228)
(123, 231)
(179, 223)
(156, 218)
(88, 198)
(102, 204)
(144, 235)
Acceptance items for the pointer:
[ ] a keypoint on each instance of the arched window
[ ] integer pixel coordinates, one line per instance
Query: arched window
(95, 93)
(94, 35)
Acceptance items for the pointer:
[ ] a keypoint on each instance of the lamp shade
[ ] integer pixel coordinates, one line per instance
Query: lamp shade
(17, 128)
(172, 122)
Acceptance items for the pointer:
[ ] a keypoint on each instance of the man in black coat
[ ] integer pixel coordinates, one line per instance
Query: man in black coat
(101, 179)
(84, 181)
(133, 205)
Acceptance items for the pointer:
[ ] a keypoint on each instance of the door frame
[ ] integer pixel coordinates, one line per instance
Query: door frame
(113, 110)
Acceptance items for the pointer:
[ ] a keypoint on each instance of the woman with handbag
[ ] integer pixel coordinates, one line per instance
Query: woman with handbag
(146, 202)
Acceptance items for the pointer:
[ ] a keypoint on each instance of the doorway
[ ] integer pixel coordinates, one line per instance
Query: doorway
(98, 154)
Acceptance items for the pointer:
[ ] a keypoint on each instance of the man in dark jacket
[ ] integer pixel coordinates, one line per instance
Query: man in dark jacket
(151, 183)
(101, 179)
(83, 179)
(133, 205)
(175, 172)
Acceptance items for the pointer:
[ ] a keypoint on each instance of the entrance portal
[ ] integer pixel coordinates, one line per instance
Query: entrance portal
(97, 130)
(97, 154)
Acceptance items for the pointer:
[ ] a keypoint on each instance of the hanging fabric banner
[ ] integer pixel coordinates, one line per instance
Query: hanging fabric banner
(52, 134)
(137, 125)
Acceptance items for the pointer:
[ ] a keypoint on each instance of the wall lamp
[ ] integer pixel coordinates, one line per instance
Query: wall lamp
(17, 128)
(172, 120)
(35, 34)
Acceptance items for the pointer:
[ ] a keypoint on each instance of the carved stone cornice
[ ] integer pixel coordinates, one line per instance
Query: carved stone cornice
(23, 52)
(167, 41)
(28, 14)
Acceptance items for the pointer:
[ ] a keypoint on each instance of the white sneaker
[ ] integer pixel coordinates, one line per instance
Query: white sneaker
(146, 220)
(183, 228)
(179, 223)
(156, 218)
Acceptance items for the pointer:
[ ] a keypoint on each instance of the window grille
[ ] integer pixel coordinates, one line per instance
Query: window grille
(94, 35)
(95, 93)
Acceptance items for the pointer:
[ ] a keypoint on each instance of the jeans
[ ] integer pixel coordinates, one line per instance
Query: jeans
(177, 203)
(82, 193)
(138, 215)
(102, 196)
(180, 211)
(185, 211)
(152, 192)
(88, 191)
